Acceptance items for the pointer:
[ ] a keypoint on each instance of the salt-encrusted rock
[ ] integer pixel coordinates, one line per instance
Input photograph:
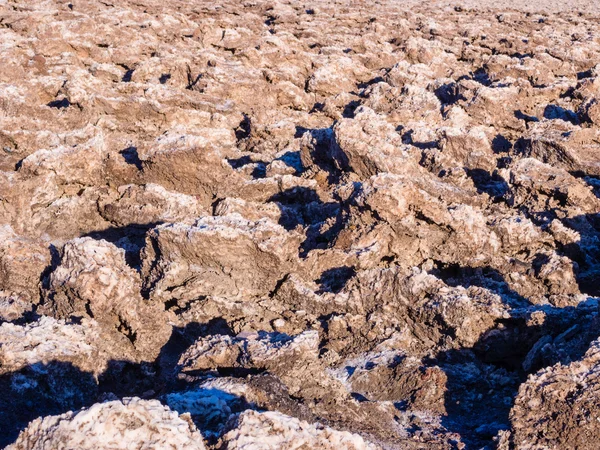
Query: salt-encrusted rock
(22, 262)
(268, 189)
(404, 203)
(44, 208)
(130, 423)
(250, 210)
(368, 145)
(333, 77)
(79, 164)
(149, 204)
(275, 352)
(13, 307)
(470, 148)
(564, 145)
(48, 340)
(93, 280)
(558, 406)
(379, 215)
(534, 184)
(590, 111)
(395, 381)
(488, 106)
(191, 164)
(72, 214)
(273, 430)
(223, 256)
(51, 364)
(393, 296)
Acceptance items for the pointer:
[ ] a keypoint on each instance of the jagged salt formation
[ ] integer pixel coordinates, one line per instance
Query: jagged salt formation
(273, 224)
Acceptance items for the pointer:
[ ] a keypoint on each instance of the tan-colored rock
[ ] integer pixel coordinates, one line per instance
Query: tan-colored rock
(49, 340)
(471, 148)
(143, 424)
(79, 164)
(150, 204)
(222, 256)
(93, 280)
(276, 352)
(368, 145)
(22, 263)
(561, 144)
(191, 164)
(380, 216)
(557, 406)
(278, 431)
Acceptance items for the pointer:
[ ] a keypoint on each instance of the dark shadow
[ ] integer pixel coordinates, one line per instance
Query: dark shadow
(594, 183)
(520, 55)
(522, 116)
(568, 93)
(486, 277)
(359, 397)
(57, 387)
(585, 253)
(297, 195)
(292, 159)
(482, 77)
(292, 203)
(491, 184)
(130, 155)
(41, 390)
(259, 170)
(584, 74)
(181, 339)
(319, 238)
(483, 381)
(323, 151)
(558, 112)
(130, 238)
(448, 93)
(317, 107)
(302, 206)
(270, 20)
(242, 161)
(211, 418)
(366, 84)
(164, 78)
(350, 108)
(126, 379)
(407, 138)
(127, 76)
(500, 144)
(334, 280)
(60, 104)
(55, 258)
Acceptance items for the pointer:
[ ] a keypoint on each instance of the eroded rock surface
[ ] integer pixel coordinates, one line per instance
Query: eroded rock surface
(143, 424)
(273, 224)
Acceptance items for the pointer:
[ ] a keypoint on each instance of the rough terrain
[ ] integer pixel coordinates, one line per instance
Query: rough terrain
(290, 225)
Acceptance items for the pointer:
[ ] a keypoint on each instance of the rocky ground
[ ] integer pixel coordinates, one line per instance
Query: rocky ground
(283, 225)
